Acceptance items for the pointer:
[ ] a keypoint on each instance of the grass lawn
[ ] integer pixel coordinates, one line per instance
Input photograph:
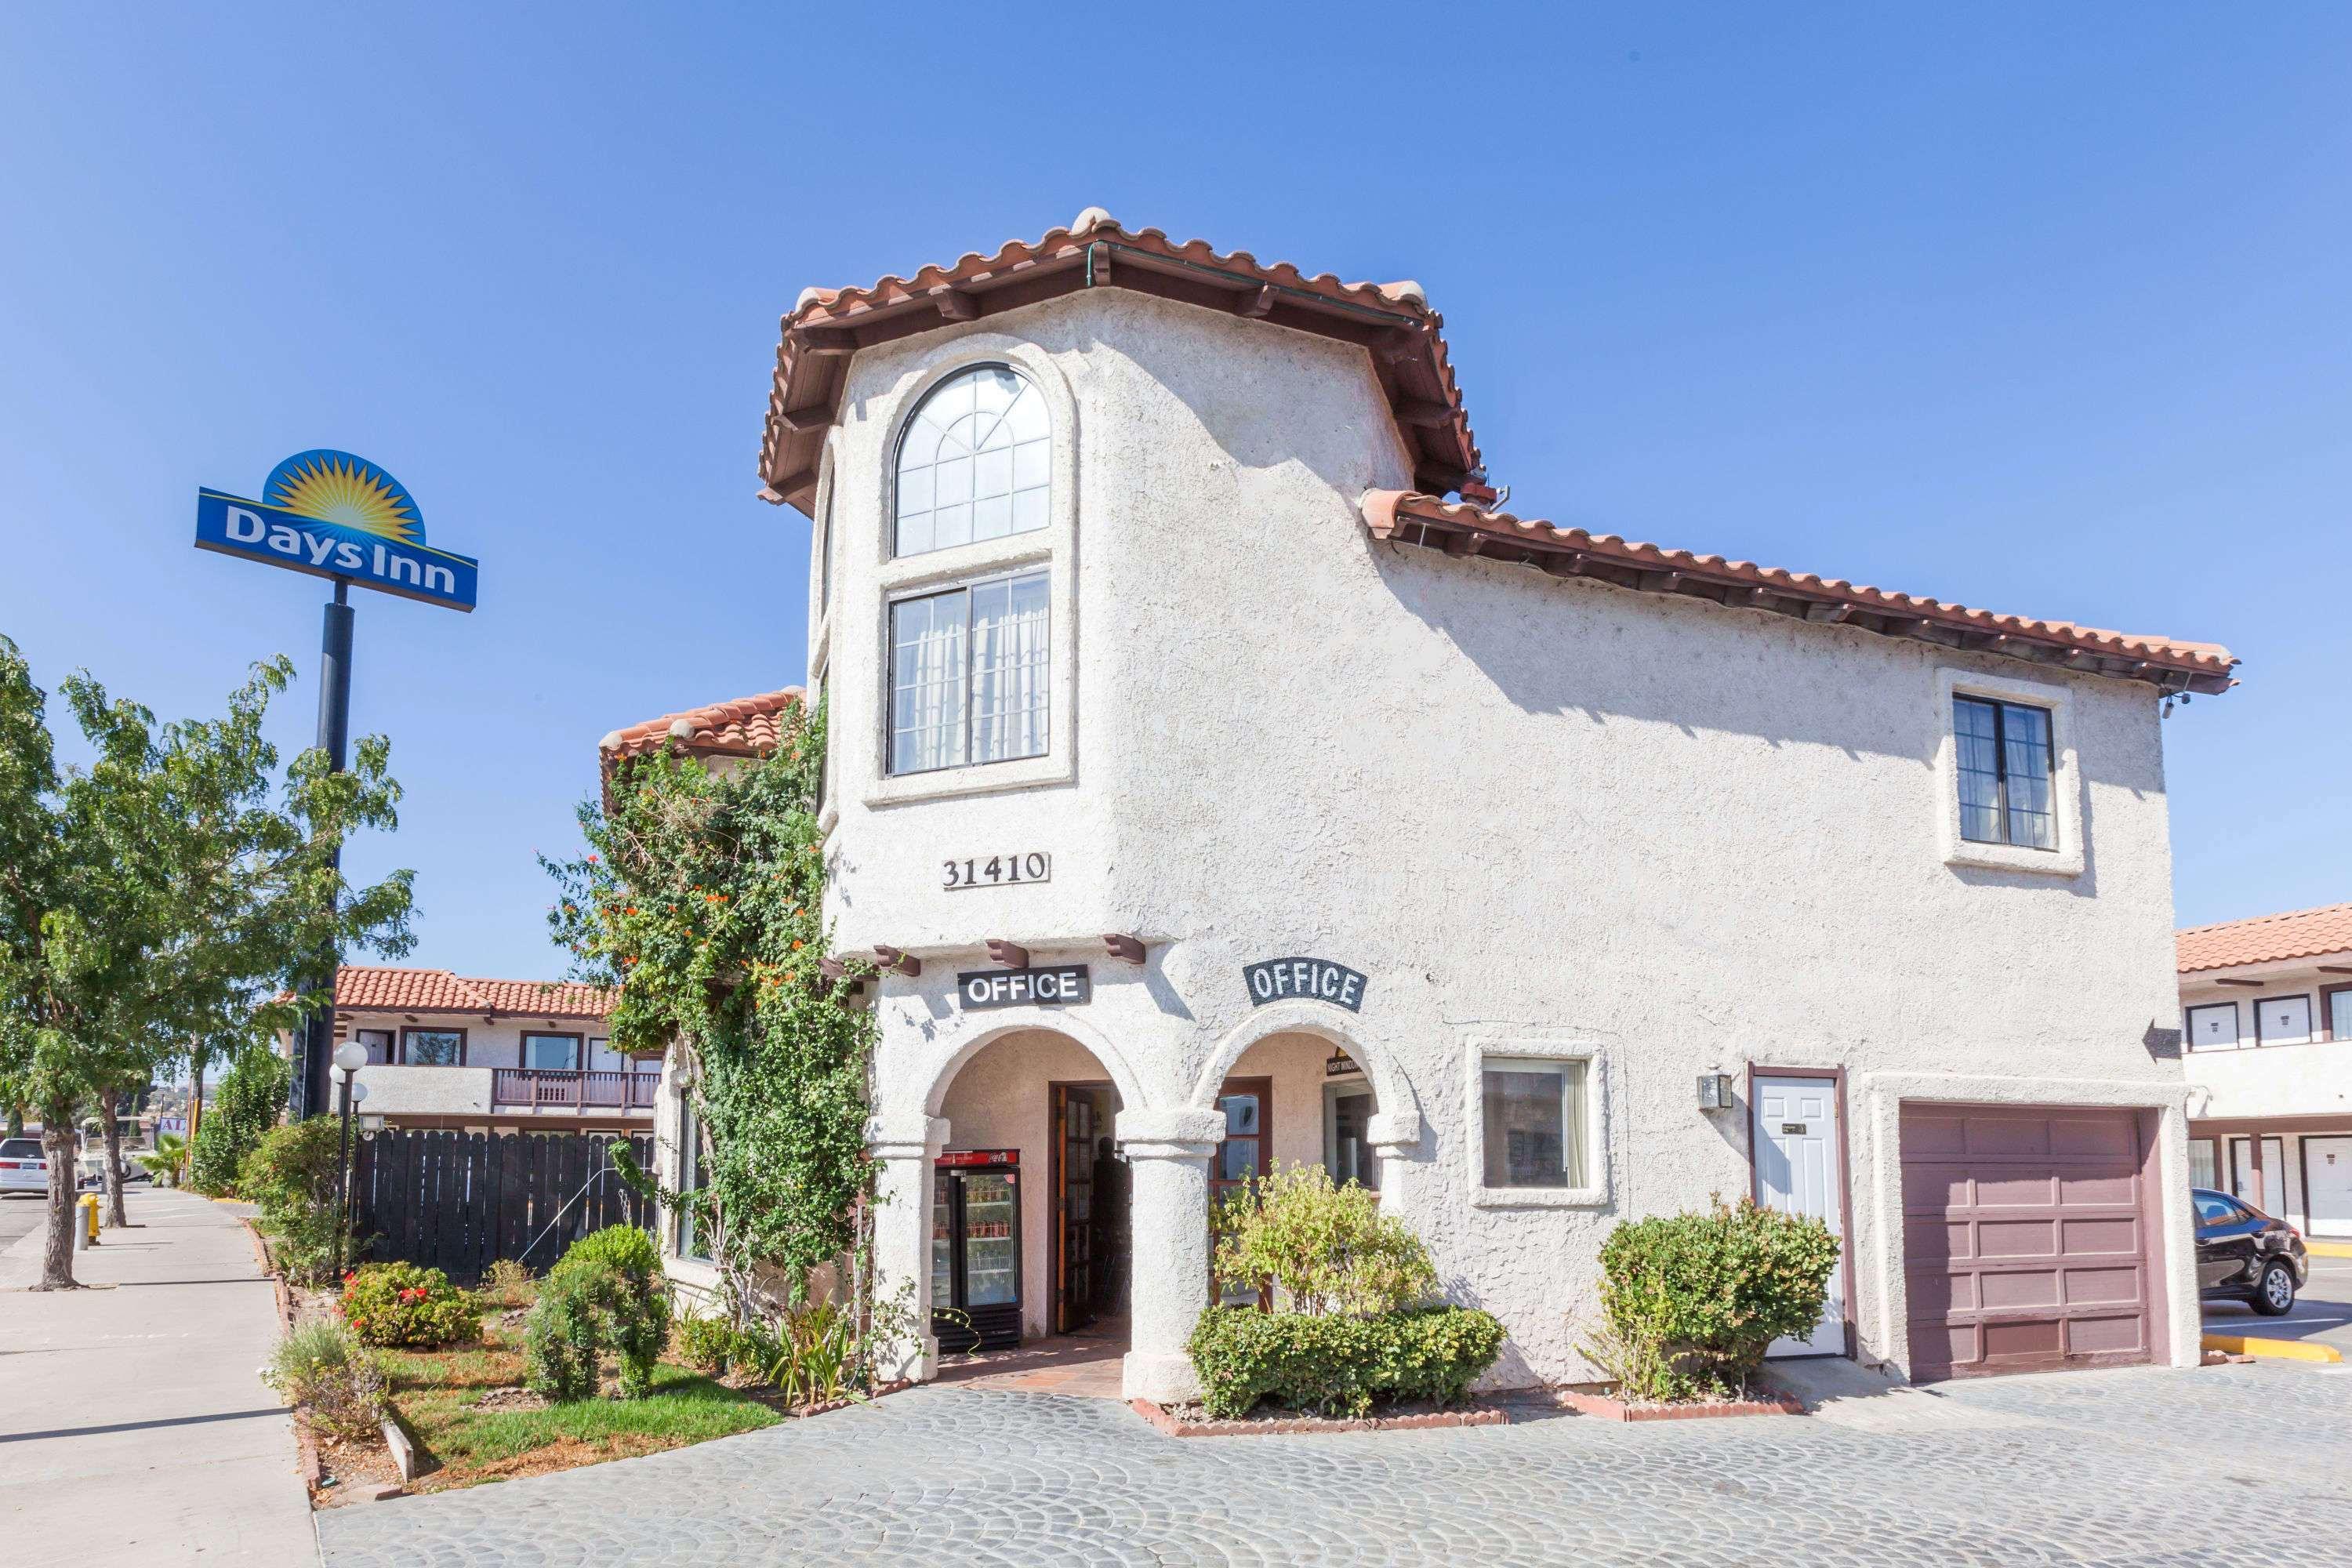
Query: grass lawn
(440, 1392)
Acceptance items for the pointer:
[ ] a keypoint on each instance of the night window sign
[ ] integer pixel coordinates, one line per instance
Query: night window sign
(1316, 979)
(333, 515)
(1063, 984)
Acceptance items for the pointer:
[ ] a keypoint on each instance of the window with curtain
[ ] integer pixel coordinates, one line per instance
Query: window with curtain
(969, 675)
(1532, 1121)
(975, 462)
(2005, 765)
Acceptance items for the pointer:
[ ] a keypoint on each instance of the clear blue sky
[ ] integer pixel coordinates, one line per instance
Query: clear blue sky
(2043, 309)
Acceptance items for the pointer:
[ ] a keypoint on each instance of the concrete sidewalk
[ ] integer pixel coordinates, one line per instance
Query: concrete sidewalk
(133, 1428)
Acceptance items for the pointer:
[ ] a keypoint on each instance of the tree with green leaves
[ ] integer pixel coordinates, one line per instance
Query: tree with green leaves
(700, 897)
(164, 892)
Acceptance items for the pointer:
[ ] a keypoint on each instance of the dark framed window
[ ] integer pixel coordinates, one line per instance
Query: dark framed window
(2335, 1011)
(2006, 761)
(378, 1043)
(433, 1048)
(556, 1053)
(691, 1178)
(2213, 1026)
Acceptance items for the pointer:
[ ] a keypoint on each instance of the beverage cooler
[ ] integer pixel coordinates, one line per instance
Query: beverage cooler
(976, 1250)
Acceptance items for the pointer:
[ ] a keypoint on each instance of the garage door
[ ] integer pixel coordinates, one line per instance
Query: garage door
(2024, 1244)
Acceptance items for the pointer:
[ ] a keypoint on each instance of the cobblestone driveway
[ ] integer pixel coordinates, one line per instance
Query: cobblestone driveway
(2243, 1465)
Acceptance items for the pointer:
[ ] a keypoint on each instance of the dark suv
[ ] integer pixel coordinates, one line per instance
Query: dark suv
(2245, 1255)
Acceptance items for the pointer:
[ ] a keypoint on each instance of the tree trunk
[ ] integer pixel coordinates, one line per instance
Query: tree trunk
(58, 1148)
(195, 1104)
(106, 1101)
(16, 1121)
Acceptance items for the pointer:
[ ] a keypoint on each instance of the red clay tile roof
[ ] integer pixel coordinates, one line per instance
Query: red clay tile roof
(1393, 321)
(1462, 529)
(745, 727)
(394, 990)
(2266, 939)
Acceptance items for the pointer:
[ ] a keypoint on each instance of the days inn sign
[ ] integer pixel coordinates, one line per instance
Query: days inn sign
(334, 515)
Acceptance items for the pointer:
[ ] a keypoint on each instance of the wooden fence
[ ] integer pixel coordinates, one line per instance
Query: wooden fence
(460, 1201)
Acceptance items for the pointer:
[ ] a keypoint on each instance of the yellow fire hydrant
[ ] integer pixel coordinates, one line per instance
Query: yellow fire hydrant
(87, 1236)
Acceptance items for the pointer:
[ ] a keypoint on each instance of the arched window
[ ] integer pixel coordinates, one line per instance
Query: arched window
(975, 462)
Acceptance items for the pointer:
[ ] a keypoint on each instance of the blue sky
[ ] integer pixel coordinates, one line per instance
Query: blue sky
(2041, 308)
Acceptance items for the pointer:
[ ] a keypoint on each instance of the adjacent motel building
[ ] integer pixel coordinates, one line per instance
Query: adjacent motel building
(2266, 1005)
(1242, 784)
(454, 1052)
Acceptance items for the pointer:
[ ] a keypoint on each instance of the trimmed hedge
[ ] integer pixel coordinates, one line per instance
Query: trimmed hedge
(1339, 1365)
(606, 1294)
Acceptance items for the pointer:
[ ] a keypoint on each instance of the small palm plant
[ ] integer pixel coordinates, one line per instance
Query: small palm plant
(168, 1161)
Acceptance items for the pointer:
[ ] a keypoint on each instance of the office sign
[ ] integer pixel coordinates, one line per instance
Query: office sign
(1317, 979)
(331, 514)
(1062, 985)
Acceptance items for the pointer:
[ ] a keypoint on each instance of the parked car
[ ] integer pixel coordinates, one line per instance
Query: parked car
(2245, 1255)
(23, 1168)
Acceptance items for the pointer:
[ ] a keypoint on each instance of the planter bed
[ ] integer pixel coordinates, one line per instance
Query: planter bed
(1187, 1420)
(1609, 1407)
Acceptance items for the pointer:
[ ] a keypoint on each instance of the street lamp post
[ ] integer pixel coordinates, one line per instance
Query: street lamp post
(350, 1058)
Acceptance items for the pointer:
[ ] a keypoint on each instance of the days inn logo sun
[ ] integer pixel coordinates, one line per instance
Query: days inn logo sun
(337, 487)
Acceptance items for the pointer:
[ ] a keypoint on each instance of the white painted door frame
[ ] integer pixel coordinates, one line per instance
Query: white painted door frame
(1797, 1159)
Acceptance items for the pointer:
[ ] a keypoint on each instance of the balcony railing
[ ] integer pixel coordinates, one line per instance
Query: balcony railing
(558, 1088)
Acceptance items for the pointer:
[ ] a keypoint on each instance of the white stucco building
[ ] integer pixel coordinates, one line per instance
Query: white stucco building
(1319, 811)
(2267, 1008)
(456, 1052)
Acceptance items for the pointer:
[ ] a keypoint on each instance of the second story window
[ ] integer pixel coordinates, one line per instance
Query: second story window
(433, 1048)
(976, 462)
(2005, 767)
(970, 675)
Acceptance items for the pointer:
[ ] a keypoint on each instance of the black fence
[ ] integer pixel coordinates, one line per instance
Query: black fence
(458, 1202)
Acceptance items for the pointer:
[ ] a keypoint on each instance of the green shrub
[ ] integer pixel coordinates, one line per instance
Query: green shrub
(809, 1353)
(1324, 1249)
(294, 1175)
(401, 1304)
(246, 1106)
(1690, 1301)
(1339, 1365)
(706, 1344)
(319, 1367)
(587, 1307)
(626, 1247)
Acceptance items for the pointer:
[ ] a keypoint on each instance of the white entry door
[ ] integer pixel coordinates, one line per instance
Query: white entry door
(2267, 1190)
(2327, 1185)
(1799, 1149)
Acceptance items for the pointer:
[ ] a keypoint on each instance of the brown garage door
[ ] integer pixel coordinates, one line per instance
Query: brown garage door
(2024, 1239)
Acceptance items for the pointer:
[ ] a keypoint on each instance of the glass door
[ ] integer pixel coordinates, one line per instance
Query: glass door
(942, 1241)
(992, 1246)
(1240, 1158)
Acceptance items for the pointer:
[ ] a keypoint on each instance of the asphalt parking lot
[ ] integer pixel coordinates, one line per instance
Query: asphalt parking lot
(19, 1216)
(2322, 1311)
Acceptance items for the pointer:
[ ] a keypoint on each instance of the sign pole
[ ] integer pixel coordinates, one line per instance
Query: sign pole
(312, 1094)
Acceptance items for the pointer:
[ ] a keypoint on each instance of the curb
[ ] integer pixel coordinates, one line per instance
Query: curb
(2327, 1248)
(1168, 1426)
(2273, 1349)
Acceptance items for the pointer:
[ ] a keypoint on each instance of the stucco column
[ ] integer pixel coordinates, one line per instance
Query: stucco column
(902, 1230)
(1393, 1136)
(1167, 1155)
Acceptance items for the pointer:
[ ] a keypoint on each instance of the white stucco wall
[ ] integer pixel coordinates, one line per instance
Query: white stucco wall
(398, 1090)
(1541, 816)
(2258, 1080)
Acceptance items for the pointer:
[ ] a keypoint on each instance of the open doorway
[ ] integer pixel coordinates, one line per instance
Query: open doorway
(1093, 1240)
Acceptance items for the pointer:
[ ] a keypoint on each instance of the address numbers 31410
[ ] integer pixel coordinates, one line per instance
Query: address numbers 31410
(997, 870)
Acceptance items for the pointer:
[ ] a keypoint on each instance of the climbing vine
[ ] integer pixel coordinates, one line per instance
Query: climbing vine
(700, 897)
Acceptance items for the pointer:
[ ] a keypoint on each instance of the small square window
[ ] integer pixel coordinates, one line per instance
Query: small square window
(2213, 1026)
(1532, 1119)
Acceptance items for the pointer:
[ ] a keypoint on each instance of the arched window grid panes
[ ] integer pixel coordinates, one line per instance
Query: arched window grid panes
(975, 463)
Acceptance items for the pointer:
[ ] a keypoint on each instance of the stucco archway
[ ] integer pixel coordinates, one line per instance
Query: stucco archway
(1300, 1016)
(942, 1058)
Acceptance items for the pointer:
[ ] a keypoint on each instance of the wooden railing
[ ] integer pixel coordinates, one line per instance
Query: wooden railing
(564, 1088)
